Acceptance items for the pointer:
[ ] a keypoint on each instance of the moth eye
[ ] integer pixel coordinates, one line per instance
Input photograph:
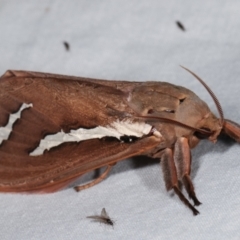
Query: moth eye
(181, 100)
(202, 135)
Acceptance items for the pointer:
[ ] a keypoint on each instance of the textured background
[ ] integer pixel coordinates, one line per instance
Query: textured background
(131, 40)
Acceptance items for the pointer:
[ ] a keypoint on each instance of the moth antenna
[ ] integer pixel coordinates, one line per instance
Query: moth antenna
(217, 103)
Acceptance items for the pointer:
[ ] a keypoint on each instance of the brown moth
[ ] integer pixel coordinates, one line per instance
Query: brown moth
(103, 218)
(122, 119)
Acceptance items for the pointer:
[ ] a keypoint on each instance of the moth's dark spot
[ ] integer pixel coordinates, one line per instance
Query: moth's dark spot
(169, 111)
(181, 100)
(150, 111)
(128, 139)
(109, 139)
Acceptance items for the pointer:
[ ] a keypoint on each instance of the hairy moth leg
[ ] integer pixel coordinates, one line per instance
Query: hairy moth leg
(170, 177)
(182, 159)
(96, 181)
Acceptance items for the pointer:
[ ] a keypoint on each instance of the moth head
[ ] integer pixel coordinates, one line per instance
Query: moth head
(210, 128)
(212, 125)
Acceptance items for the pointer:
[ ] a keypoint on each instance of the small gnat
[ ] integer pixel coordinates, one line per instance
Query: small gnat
(103, 218)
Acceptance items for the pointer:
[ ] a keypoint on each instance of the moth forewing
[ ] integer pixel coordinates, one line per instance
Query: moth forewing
(102, 218)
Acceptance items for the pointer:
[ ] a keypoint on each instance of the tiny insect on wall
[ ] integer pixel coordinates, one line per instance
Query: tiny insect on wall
(180, 25)
(99, 123)
(103, 218)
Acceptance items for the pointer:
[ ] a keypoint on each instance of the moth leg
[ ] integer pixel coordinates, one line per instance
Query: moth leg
(170, 177)
(182, 159)
(96, 181)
